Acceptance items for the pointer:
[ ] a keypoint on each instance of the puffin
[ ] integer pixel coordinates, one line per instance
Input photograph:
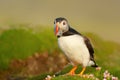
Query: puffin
(76, 47)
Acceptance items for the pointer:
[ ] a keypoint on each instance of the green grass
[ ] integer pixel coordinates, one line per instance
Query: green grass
(70, 78)
(19, 43)
(97, 74)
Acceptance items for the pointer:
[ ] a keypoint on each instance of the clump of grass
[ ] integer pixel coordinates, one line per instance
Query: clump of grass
(19, 43)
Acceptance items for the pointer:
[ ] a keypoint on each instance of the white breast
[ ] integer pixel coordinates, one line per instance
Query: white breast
(75, 49)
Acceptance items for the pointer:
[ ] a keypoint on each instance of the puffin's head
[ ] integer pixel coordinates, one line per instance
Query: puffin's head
(60, 26)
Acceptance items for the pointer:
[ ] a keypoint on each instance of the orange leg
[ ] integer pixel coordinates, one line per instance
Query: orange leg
(72, 72)
(83, 70)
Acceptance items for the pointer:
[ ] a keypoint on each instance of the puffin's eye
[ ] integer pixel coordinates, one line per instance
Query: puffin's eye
(64, 23)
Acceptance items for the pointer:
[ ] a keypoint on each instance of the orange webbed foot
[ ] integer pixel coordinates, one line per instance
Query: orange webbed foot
(72, 71)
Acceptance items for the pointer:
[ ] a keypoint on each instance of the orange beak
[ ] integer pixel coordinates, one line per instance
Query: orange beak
(56, 29)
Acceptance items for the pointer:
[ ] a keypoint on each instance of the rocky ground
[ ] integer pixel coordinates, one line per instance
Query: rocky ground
(34, 65)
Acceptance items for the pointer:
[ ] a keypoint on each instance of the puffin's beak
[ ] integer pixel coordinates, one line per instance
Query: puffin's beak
(56, 29)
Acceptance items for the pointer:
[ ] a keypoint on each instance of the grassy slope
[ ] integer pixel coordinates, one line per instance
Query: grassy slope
(20, 43)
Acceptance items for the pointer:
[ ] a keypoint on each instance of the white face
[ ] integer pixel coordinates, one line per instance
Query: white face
(61, 27)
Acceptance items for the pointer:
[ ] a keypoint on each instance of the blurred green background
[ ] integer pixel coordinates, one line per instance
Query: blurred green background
(26, 27)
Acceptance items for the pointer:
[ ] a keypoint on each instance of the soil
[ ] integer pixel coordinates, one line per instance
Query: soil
(36, 64)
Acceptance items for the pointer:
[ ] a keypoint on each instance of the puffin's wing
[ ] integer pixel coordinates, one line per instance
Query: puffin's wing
(71, 31)
(89, 46)
(86, 40)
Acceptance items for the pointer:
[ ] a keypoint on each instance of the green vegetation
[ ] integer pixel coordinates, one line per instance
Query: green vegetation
(19, 43)
(90, 74)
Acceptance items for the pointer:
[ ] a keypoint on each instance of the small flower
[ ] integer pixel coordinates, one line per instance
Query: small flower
(104, 79)
(98, 68)
(53, 75)
(91, 75)
(114, 78)
(48, 77)
(106, 74)
(96, 79)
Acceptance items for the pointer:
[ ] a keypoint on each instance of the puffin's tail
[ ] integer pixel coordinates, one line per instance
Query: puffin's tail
(95, 65)
(92, 64)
